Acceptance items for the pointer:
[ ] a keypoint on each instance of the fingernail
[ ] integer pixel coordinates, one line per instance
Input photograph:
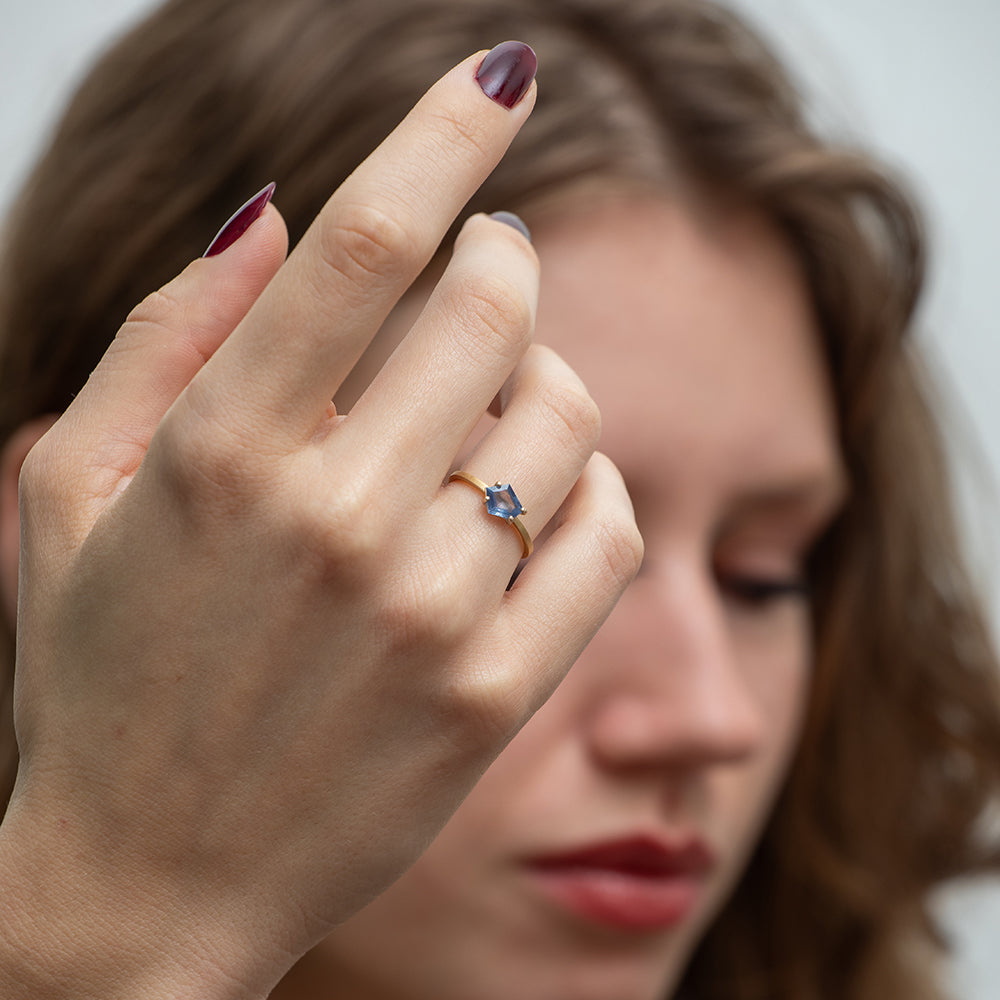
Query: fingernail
(506, 72)
(244, 217)
(514, 221)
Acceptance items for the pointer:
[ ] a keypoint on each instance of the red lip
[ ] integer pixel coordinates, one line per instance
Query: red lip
(635, 883)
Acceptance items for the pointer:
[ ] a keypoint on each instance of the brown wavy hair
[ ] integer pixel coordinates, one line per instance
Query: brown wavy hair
(207, 100)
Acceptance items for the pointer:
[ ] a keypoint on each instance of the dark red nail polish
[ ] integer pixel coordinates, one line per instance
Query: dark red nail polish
(506, 72)
(244, 217)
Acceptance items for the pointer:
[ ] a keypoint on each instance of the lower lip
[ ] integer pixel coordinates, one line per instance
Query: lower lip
(620, 900)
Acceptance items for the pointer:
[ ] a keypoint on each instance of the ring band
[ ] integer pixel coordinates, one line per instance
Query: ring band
(500, 501)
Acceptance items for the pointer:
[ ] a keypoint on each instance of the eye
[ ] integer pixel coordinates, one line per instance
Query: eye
(761, 591)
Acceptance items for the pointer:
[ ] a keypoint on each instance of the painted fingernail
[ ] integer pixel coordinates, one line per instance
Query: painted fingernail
(514, 221)
(507, 71)
(243, 218)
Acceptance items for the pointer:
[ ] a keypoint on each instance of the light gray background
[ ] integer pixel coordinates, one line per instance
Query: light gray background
(916, 80)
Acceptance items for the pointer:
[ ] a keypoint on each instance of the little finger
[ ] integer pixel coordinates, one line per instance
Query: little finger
(568, 588)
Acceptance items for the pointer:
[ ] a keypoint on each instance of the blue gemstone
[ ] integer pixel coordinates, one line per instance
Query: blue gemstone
(501, 501)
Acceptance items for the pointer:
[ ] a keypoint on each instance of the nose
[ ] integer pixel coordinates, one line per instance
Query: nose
(672, 693)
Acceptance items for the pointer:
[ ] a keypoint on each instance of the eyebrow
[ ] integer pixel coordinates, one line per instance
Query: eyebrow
(822, 494)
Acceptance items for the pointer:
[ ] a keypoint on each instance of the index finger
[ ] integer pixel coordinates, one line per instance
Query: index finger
(371, 240)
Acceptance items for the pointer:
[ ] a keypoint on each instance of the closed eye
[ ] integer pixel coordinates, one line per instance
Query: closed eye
(762, 591)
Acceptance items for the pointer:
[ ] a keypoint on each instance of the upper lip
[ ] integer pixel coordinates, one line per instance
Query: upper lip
(640, 855)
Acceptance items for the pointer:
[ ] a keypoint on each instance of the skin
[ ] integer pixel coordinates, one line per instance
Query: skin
(249, 692)
(681, 716)
(694, 333)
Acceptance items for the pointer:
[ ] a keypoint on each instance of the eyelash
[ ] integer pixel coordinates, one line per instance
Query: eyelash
(758, 592)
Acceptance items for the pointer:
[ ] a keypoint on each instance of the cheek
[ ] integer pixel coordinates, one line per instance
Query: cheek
(776, 663)
(777, 656)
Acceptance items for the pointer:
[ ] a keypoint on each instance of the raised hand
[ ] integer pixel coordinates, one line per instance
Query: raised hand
(265, 649)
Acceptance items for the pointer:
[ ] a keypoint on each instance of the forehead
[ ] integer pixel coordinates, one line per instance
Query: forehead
(695, 335)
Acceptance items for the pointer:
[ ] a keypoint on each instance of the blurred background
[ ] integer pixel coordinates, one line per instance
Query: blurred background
(917, 81)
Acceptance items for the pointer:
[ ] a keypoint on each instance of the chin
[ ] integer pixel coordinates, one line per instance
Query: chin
(486, 960)
(623, 979)
(503, 931)
(583, 980)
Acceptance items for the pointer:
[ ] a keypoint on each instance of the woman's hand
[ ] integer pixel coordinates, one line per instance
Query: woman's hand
(263, 652)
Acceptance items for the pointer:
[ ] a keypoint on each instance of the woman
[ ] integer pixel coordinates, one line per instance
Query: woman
(786, 733)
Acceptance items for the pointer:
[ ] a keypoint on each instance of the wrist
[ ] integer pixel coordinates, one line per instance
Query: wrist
(64, 936)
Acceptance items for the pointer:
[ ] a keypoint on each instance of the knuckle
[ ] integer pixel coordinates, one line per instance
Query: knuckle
(620, 546)
(154, 309)
(160, 310)
(207, 468)
(50, 479)
(571, 410)
(427, 611)
(343, 539)
(367, 246)
(498, 307)
(348, 542)
(460, 133)
(38, 479)
(487, 703)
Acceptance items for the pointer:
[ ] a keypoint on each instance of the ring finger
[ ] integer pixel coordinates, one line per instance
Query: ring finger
(540, 445)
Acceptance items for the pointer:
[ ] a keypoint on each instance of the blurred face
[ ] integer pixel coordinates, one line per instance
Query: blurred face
(593, 854)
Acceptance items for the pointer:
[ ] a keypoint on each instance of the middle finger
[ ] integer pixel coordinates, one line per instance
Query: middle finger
(373, 237)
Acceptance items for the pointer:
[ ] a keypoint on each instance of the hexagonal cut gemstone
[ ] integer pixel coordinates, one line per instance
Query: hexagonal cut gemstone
(501, 501)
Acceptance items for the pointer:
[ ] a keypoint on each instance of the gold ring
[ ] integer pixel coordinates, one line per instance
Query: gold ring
(500, 501)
